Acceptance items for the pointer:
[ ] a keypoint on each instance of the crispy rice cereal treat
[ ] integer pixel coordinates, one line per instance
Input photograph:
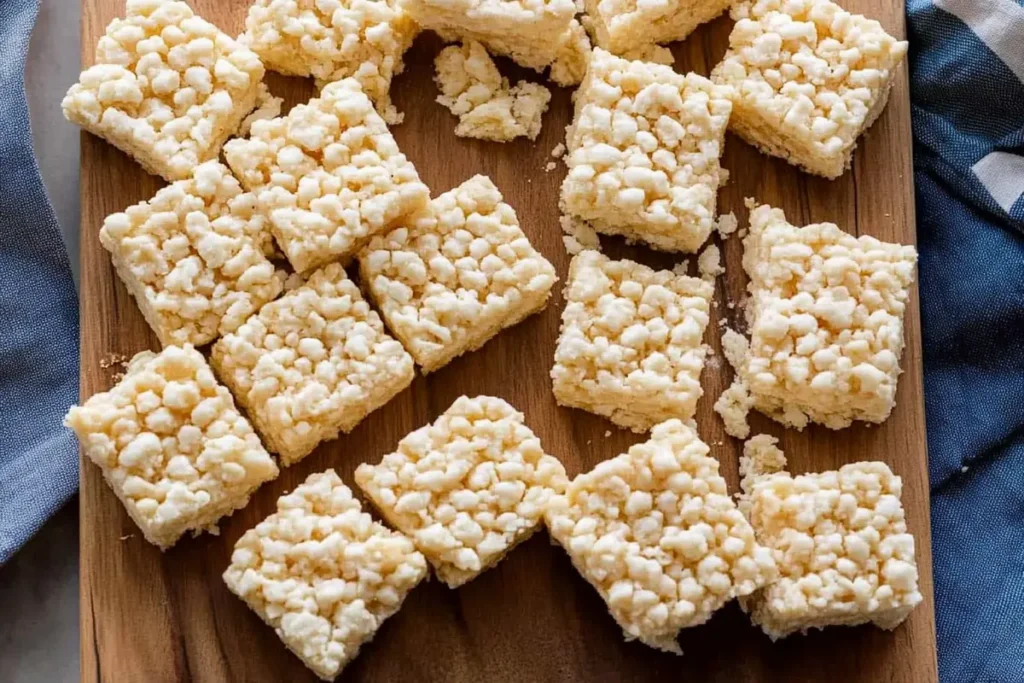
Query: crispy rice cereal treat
(644, 150)
(624, 25)
(171, 445)
(655, 532)
(312, 364)
(168, 88)
(467, 488)
(323, 574)
(458, 277)
(630, 346)
(826, 318)
(488, 109)
(528, 31)
(839, 540)
(330, 174)
(570, 66)
(193, 256)
(334, 39)
(808, 79)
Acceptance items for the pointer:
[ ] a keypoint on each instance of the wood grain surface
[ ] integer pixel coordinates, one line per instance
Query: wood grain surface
(150, 617)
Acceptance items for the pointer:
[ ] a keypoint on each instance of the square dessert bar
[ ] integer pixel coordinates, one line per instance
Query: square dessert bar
(808, 79)
(458, 276)
(334, 39)
(171, 445)
(467, 488)
(839, 540)
(323, 574)
(630, 346)
(168, 88)
(329, 173)
(312, 364)
(529, 31)
(826, 321)
(193, 256)
(623, 25)
(656, 533)
(644, 149)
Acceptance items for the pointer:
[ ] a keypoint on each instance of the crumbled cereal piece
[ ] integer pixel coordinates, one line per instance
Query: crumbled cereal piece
(656, 54)
(734, 406)
(570, 63)
(330, 175)
(761, 458)
(655, 532)
(488, 109)
(456, 278)
(630, 346)
(323, 574)
(644, 150)
(267, 107)
(171, 445)
(727, 224)
(312, 364)
(193, 256)
(826, 320)
(531, 32)
(168, 88)
(839, 540)
(624, 25)
(709, 263)
(808, 79)
(559, 150)
(467, 488)
(334, 39)
(550, 166)
(578, 235)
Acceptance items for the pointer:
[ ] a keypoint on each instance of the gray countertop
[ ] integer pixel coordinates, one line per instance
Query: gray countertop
(39, 585)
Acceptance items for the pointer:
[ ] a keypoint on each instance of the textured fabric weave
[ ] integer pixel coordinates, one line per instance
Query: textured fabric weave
(38, 315)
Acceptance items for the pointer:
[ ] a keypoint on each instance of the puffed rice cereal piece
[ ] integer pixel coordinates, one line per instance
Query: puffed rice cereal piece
(457, 277)
(620, 26)
(171, 445)
(467, 488)
(330, 175)
(312, 364)
(644, 150)
(323, 574)
(168, 88)
(655, 532)
(334, 39)
(808, 79)
(570, 66)
(630, 346)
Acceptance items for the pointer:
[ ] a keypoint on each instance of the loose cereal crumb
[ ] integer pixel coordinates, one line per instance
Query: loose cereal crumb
(727, 224)
(578, 235)
(761, 458)
(709, 263)
(734, 406)
(559, 150)
(550, 166)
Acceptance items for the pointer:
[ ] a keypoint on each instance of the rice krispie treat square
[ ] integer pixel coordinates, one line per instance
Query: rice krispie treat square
(808, 78)
(334, 39)
(644, 150)
(630, 345)
(467, 488)
(457, 277)
(839, 540)
(529, 31)
(171, 445)
(168, 88)
(329, 174)
(312, 364)
(655, 531)
(623, 25)
(193, 256)
(826, 321)
(323, 574)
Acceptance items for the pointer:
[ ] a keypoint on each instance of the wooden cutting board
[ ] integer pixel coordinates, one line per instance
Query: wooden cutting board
(148, 617)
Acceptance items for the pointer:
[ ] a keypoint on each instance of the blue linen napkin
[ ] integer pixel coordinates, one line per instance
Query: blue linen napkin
(38, 314)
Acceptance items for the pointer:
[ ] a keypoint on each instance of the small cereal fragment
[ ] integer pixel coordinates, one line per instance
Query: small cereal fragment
(570, 64)
(312, 364)
(630, 346)
(329, 174)
(467, 488)
(761, 457)
(655, 54)
(655, 532)
(559, 150)
(168, 88)
(578, 235)
(334, 39)
(644, 150)
(550, 166)
(727, 224)
(734, 406)
(171, 445)
(323, 574)
(193, 256)
(267, 107)
(839, 540)
(709, 263)
(456, 278)
(622, 26)
(808, 79)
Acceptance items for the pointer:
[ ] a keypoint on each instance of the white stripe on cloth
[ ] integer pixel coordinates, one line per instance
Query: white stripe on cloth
(1002, 174)
(998, 23)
